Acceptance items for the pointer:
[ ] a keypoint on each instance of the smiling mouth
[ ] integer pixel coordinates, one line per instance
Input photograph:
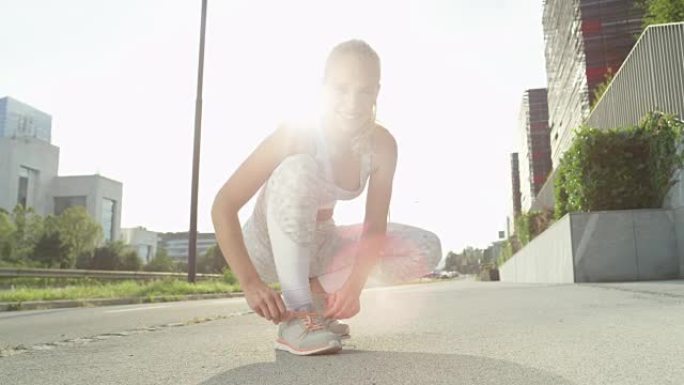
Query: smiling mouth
(349, 116)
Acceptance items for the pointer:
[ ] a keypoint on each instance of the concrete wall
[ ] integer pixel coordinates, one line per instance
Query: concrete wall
(604, 246)
(679, 234)
(624, 245)
(95, 188)
(674, 200)
(547, 259)
(36, 155)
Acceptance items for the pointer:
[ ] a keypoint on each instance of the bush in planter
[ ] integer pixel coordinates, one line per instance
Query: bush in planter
(508, 248)
(506, 252)
(529, 225)
(619, 169)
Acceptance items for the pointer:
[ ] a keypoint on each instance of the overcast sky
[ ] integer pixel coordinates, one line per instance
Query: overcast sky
(119, 79)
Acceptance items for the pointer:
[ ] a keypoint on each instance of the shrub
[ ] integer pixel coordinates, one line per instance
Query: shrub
(619, 169)
(529, 225)
(229, 277)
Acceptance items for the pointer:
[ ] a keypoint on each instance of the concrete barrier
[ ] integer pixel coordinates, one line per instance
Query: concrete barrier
(605, 246)
(548, 258)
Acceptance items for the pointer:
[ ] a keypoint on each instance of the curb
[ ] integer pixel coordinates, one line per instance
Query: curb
(94, 302)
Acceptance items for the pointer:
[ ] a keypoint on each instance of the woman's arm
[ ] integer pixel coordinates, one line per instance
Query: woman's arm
(238, 189)
(345, 304)
(377, 209)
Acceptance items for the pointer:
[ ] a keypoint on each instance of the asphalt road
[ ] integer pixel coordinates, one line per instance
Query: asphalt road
(452, 332)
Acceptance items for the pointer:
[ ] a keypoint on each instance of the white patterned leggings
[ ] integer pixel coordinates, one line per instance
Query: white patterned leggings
(287, 245)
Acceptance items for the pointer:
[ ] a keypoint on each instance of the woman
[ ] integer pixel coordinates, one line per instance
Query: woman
(291, 237)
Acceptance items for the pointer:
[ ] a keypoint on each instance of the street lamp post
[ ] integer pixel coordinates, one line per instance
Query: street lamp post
(192, 248)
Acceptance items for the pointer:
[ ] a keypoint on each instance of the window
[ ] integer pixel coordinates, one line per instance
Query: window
(63, 203)
(107, 221)
(145, 253)
(28, 179)
(22, 194)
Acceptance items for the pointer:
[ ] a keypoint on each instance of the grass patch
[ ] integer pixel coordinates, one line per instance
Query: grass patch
(120, 289)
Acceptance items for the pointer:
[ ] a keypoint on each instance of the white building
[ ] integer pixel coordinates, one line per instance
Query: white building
(143, 241)
(28, 172)
(178, 244)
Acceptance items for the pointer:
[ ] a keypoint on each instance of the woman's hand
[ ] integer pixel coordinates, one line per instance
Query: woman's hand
(265, 301)
(344, 303)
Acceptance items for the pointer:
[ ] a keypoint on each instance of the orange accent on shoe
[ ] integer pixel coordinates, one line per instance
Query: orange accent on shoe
(312, 321)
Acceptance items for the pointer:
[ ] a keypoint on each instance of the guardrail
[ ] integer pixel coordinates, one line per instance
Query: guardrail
(100, 274)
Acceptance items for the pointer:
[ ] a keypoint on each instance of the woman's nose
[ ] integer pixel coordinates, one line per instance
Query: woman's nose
(352, 102)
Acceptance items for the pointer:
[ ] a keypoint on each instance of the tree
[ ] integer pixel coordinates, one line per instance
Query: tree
(451, 261)
(79, 232)
(26, 238)
(130, 261)
(160, 262)
(468, 262)
(212, 261)
(662, 11)
(49, 250)
(115, 256)
(488, 255)
(7, 230)
(28, 229)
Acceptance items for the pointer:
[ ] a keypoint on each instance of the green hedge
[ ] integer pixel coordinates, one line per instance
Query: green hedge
(529, 225)
(508, 248)
(506, 253)
(619, 169)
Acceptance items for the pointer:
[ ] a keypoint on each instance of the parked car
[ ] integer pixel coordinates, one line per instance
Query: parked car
(432, 274)
(448, 274)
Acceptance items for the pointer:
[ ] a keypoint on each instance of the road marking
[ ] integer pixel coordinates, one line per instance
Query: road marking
(137, 308)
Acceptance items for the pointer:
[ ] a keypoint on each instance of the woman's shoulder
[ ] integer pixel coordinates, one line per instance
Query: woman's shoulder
(296, 137)
(384, 142)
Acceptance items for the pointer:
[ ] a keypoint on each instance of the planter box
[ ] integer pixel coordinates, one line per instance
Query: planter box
(621, 245)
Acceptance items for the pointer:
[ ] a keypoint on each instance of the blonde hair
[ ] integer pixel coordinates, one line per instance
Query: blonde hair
(361, 143)
(354, 47)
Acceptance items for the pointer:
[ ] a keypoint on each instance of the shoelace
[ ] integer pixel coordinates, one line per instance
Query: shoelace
(312, 321)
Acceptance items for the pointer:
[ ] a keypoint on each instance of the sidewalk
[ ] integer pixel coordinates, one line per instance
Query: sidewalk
(671, 288)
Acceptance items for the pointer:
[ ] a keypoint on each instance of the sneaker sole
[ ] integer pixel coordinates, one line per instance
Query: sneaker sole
(333, 347)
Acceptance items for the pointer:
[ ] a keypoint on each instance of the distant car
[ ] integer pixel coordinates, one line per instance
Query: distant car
(432, 274)
(448, 274)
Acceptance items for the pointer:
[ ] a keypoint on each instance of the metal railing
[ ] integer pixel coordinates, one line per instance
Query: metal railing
(99, 274)
(650, 79)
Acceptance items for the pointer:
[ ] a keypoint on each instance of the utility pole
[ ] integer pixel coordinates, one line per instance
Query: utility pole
(192, 248)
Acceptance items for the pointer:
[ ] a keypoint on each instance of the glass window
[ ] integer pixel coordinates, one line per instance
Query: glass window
(28, 182)
(22, 194)
(107, 220)
(63, 203)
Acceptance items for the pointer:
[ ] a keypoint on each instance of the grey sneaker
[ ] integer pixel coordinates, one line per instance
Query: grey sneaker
(335, 326)
(305, 334)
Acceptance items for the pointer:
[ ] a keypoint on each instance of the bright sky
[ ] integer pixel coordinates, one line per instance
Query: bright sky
(119, 79)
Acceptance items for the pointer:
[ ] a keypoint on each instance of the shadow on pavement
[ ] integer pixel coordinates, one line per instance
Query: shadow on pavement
(379, 368)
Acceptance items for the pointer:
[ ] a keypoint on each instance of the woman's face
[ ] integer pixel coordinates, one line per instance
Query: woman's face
(350, 90)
